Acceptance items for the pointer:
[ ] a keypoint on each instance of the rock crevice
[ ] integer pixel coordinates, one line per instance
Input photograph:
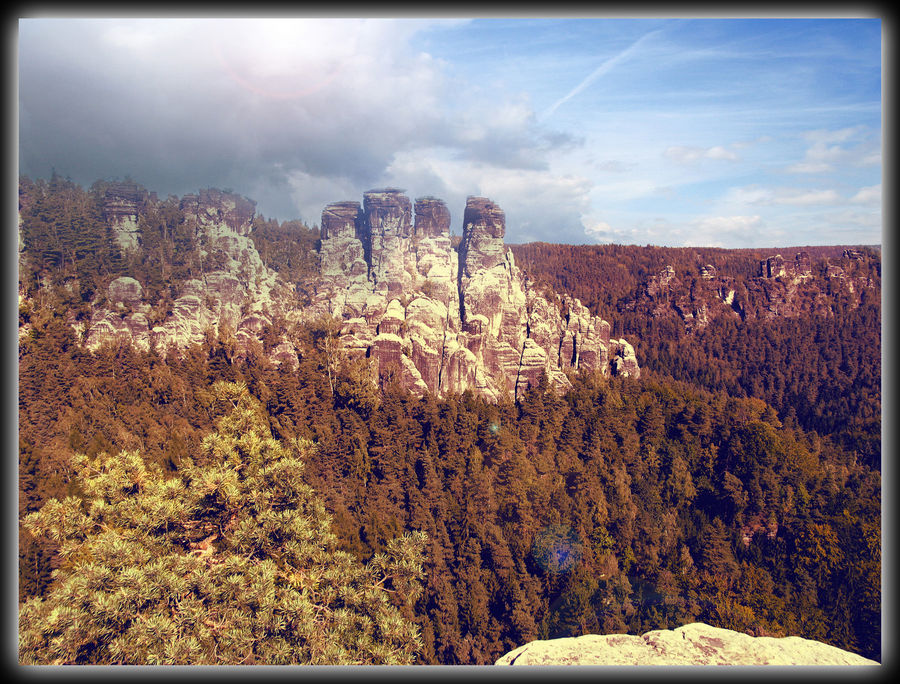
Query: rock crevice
(464, 319)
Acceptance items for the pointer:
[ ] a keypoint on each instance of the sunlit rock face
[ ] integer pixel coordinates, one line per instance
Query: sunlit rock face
(241, 295)
(122, 204)
(447, 321)
(413, 307)
(694, 644)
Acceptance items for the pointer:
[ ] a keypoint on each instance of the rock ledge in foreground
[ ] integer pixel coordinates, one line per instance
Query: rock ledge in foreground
(693, 644)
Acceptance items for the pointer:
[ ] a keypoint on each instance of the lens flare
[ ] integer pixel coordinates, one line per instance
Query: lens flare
(556, 548)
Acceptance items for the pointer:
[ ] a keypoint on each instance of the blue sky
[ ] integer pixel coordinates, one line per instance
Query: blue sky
(676, 131)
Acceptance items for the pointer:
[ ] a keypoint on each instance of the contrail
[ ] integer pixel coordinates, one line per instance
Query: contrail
(600, 71)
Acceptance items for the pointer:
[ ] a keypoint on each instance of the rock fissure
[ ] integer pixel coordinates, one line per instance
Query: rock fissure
(476, 324)
(442, 320)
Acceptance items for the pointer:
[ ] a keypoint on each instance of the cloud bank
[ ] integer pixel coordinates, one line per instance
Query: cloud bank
(678, 130)
(294, 113)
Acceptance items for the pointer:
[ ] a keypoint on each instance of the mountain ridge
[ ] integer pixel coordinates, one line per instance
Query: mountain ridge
(439, 319)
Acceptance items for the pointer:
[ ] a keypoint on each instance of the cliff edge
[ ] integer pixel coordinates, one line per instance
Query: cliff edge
(693, 644)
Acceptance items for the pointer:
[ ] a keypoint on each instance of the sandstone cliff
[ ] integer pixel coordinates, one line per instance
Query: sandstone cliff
(240, 294)
(438, 319)
(122, 204)
(693, 644)
(445, 320)
(781, 288)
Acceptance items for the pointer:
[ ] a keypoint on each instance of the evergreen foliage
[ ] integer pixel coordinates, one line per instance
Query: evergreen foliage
(227, 563)
(736, 483)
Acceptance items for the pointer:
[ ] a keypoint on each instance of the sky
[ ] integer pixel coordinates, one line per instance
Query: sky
(677, 131)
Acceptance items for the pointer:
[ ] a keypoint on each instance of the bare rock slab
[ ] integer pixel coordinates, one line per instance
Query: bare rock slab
(693, 644)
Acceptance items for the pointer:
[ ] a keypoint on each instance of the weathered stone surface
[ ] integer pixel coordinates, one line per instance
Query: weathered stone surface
(125, 291)
(432, 218)
(386, 237)
(625, 361)
(122, 203)
(773, 267)
(213, 207)
(436, 318)
(447, 321)
(241, 295)
(782, 288)
(484, 225)
(693, 644)
(340, 220)
(106, 326)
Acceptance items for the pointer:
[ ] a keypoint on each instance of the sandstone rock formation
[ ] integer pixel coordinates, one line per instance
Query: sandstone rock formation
(122, 203)
(241, 294)
(435, 318)
(777, 267)
(782, 288)
(444, 320)
(693, 644)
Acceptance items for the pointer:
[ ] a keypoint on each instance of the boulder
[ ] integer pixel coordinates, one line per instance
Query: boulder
(693, 644)
(125, 291)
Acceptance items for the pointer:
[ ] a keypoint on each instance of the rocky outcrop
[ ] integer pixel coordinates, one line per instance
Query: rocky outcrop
(240, 295)
(693, 644)
(122, 204)
(782, 288)
(435, 318)
(217, 209)
(777, 267)
(447, 321)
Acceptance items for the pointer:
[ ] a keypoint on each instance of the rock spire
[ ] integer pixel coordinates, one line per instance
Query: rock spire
(447, 321)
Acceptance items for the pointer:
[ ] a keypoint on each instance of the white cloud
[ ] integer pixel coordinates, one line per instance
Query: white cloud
(727, 224)
(306, 104)
(297, 113)
(688, 155)
(722, 231)
(758, 195)
(830, 150)
(748, 195)
(868, 195)
(824, 136)
(538, 202)
(311, 193)
(806, 198)
(601, 231)
(810, 167)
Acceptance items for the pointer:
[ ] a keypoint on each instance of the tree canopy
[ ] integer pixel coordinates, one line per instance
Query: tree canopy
(232, 562)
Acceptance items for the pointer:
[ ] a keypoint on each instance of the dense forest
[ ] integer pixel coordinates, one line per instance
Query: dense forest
(824, 371)
(736, 483)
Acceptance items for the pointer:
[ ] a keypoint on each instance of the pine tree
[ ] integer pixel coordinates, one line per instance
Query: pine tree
(232, 562)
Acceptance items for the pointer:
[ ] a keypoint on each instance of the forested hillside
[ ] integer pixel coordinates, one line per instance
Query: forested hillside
(822, 368)
(736, 483)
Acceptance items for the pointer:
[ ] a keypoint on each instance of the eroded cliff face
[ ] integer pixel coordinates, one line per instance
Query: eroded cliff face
(782, 288)
(415, 308)
(122, 203)
(240, 294)
(447, 320)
